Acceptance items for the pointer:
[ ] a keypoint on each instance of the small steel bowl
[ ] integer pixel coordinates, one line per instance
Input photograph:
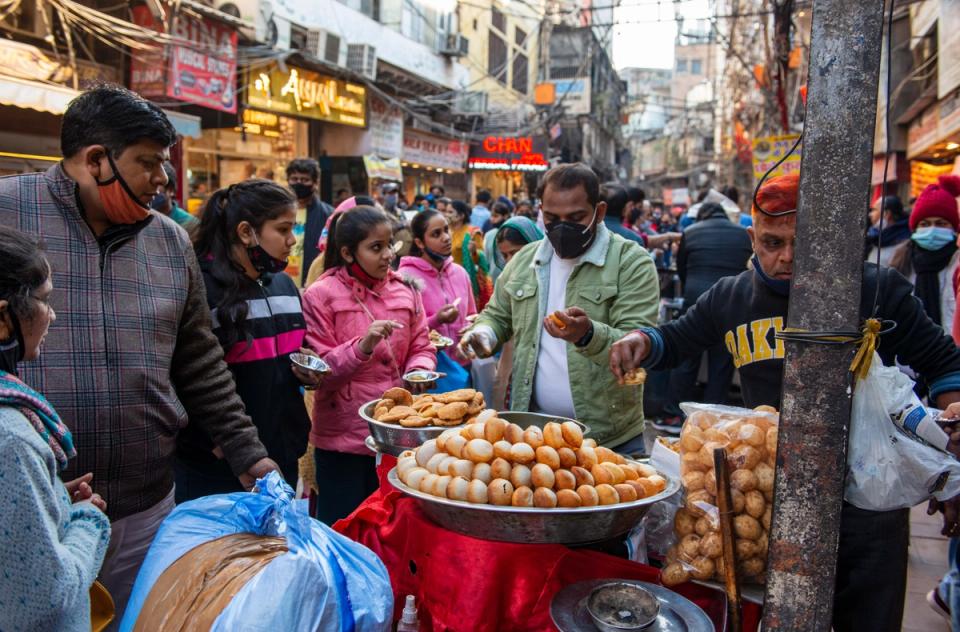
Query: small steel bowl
(310, 363)
(422, 377)
(622, 607)
(443, 342)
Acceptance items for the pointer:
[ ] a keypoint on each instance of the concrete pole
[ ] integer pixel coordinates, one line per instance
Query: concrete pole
(834, 196)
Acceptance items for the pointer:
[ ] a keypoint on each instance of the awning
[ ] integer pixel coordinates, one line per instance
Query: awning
(383, 169)
(33, 95)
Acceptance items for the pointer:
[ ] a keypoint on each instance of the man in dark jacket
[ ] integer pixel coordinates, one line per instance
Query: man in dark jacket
(713, 248)
(131, 358)
(303, 177)
(744, 313)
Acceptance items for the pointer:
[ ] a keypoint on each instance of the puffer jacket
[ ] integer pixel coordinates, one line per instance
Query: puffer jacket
(339, 309)
(440, 288)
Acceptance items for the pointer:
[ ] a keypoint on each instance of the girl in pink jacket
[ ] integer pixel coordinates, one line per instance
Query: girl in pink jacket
(443, 281)
(371, 329)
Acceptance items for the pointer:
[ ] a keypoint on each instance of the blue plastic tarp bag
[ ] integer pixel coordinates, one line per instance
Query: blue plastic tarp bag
(457, 376)
(324, 582)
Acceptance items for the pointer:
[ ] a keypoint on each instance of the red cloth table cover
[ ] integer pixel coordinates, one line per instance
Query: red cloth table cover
(465, 584)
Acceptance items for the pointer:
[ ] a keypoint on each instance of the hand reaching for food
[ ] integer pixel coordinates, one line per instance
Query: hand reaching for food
(448, 314)
(378, 330)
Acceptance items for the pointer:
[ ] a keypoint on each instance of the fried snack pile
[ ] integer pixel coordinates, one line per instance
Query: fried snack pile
(499, 463)
(750, 438)
(399, 406)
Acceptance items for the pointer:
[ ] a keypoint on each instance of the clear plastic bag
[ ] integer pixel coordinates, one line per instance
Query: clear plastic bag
(657, 524)
(888, 467)
(750, 437)
(323, 582)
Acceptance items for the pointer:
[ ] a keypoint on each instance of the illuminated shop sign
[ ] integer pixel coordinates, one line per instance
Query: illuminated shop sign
(509, 153)
(298, 92)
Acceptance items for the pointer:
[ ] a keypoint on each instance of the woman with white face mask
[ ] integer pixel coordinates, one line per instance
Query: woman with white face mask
(930, 258)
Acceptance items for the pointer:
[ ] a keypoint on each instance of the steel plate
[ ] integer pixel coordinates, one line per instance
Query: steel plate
(531, 525)
(677, 613)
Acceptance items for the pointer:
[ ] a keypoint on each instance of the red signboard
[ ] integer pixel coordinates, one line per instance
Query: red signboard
(203, 72)
(509, 153)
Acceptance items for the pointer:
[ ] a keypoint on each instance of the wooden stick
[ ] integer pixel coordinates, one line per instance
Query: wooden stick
(725, 506)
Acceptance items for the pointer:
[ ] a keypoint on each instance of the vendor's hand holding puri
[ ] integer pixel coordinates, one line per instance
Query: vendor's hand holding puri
(475, 344)
(571, 324)
(494, 462)
(750, 438)
(627, 354)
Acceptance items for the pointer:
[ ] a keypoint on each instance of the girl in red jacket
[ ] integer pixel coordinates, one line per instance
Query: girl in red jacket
(371, 329)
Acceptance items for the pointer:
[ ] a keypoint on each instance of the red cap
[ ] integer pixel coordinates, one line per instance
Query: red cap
(938, 200)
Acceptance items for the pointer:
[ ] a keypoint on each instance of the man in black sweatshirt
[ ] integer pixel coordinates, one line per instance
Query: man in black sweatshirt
(743, 313)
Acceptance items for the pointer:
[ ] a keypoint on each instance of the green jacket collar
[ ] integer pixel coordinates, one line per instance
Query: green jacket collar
(595, 254)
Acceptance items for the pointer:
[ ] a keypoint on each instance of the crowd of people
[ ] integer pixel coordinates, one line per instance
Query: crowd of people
(144, 355)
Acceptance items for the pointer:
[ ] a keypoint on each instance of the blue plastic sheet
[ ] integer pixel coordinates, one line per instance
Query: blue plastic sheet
(457, 376)
(325, 582)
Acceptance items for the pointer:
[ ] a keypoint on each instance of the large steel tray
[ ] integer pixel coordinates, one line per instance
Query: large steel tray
(581, 525)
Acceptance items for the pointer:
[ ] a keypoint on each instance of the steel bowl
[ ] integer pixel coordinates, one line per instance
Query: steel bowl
(394, 438)
(622, 606)
(310, 363)
(531, 525)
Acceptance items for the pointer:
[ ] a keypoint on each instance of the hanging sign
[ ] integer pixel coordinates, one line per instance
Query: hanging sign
(509, 153)
(299, 92)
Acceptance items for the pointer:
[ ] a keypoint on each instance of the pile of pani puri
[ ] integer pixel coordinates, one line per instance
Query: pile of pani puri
(750, 438)
(496, 462)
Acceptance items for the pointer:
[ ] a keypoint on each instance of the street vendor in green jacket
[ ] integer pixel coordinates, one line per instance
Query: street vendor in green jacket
(565, 300)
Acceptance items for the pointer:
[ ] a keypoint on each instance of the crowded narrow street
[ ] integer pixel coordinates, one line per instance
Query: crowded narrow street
(480, 315)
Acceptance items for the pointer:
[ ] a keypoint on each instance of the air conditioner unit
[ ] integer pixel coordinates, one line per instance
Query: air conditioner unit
(327, 46)
(470, 103)
(454, 45)
(362, 59)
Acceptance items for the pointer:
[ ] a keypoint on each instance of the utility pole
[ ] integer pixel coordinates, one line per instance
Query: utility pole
(825, 295)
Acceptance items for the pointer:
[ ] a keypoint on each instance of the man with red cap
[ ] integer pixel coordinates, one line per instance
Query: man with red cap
(930, 257)
(744, 312)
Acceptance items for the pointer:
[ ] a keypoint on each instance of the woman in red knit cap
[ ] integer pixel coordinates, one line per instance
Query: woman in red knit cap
(930, 258)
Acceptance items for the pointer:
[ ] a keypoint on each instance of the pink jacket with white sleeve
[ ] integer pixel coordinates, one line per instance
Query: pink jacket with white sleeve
(338, 310)
(441, 288)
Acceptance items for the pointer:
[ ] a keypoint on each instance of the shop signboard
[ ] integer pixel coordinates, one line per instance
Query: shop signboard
(768, 150)
(434, 151)
(379, 169)
(574, 94)
(263, 123)
(509, 153)
(304, 93)
(386, 128)
(202, 70)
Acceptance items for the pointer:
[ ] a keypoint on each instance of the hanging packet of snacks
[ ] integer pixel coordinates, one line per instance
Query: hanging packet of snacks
(750, 438)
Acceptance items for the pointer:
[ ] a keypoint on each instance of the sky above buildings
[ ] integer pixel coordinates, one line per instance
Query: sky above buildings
(645, 30)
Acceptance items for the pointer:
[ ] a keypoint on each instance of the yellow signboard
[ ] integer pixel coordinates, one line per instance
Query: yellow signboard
(299, 92)
(768, 150)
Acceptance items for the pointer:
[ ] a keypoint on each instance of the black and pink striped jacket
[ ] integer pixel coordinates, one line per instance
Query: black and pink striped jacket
(260, 363)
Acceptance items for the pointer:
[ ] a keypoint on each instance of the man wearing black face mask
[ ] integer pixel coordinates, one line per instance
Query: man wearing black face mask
(565, 300)
(303, 177)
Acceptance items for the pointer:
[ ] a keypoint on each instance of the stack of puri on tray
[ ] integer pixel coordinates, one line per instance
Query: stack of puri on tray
(399, 406)
(495, 462)
(750, 438)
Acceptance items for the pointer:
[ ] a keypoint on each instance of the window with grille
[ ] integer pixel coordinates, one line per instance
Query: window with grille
(497, 57)
(498, 20)
(520, 73)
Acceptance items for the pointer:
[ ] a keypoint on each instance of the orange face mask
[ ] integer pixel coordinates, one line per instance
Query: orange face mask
(119, 203)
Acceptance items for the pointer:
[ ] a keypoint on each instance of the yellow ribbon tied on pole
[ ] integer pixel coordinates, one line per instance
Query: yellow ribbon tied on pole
(868, 344)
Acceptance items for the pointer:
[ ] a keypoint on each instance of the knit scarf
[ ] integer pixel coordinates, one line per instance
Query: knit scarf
(41, 416)
(928, 265)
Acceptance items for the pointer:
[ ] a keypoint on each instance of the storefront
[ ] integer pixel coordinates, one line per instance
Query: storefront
(933, 142)
(499, 164)
(430, 160)
(32, 104)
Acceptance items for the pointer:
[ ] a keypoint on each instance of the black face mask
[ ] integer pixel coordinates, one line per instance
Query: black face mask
(263, 261)
(301, 190)
(436, 256)
(570, 239)
(12, 349)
